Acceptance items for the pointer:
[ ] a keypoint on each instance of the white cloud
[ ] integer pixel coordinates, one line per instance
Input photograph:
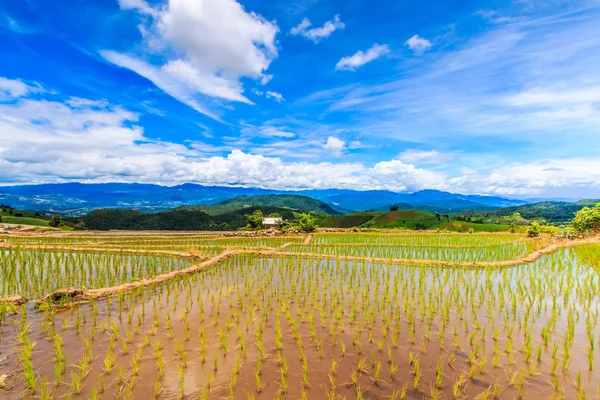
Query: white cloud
(139, 5)
(493, 17)
(355, 144)
(266, 78)
(95, 141)
(277, 96)
(272, 131)
(14, 88)
(316, 34)
(268, 131)
(335, 146)
(416, 156)
(418, 44)
(508, 86)
(208, 47)
(566, 177)
(360, 58)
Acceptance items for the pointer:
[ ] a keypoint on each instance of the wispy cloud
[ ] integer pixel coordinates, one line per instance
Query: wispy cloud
(506, 82)
(316, 34)
(416, 156)
(361, 58)
(15, 88)
(278, 97)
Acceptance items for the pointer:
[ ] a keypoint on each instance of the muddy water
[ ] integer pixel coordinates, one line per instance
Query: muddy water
(366, 318)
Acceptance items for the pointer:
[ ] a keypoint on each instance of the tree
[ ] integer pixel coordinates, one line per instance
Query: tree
(587, 220)
(534, 229)
(394, 208)
(255, 220)
(1, 220)
(55, 221)
(306, 223)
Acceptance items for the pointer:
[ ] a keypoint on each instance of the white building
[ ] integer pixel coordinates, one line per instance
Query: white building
(271, 222)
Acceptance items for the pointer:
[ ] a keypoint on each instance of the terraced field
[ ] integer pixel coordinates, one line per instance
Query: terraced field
(324, 316)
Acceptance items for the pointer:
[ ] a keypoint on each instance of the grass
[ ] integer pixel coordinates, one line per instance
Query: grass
(10, 219)
(407, 219)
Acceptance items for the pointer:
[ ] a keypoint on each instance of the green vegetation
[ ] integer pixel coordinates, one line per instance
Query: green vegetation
(300, 326)
(534, 229)
(283, 201)
(408, 219)
(176, 220)
(33, 273)
(587, 220)
(553, 212)
(55, 221)
(305, 223)
(255, 220)
(10, 215)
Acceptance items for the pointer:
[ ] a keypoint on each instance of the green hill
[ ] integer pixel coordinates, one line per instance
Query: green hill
(285, 201)
(555, 212)
(177, 220)
(11, 215)
(404, 219)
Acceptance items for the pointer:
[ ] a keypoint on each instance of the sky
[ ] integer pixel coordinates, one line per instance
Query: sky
(474, 97)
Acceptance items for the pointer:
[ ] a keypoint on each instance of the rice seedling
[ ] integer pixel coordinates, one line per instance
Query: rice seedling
(354, 314)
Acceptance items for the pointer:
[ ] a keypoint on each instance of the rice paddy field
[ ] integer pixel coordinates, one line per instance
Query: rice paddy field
(375, 315)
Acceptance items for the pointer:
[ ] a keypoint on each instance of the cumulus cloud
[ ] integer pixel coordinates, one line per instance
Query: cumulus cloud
(94, 141)
(316, 34)
(418, 44)
(416, 156)
(535, 178)
(207, 47)
(335, 145)
(360, 58)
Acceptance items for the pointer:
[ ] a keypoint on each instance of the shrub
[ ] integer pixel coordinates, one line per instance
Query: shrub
(55, 221)
(255, 220)
(306, 223)
(587, 220)
(534, 229)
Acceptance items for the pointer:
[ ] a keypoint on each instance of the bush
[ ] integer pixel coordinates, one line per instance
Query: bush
(587, 220)
(255, 220)
(534, 229)
(55, 221)
(306, 223)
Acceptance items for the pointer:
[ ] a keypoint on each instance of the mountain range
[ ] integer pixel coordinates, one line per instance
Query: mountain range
(79, 198)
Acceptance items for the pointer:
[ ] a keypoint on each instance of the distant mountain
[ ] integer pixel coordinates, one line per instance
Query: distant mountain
(78, 198)
(287, 201)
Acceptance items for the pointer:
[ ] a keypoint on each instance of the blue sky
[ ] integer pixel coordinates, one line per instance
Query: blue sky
(488, 97)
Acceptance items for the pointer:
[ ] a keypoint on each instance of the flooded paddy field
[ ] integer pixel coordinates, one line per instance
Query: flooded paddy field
(281, 324)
